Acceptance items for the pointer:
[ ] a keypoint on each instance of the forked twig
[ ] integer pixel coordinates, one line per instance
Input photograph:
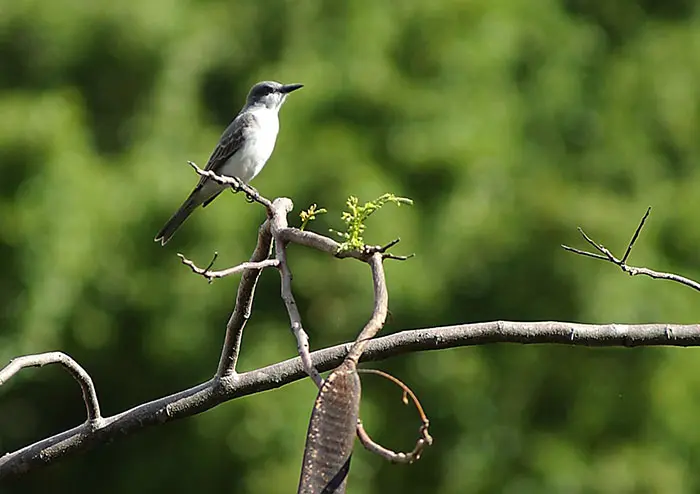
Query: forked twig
(606, 255)
(212, 275)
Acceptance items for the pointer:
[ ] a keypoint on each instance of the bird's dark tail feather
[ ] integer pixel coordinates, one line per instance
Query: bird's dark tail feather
(177, 219)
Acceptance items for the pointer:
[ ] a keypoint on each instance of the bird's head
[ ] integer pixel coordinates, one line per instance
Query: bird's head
(270, 94)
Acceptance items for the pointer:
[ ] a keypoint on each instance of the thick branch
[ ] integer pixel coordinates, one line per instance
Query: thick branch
(381, 307)
(211, 393)
(92, 406)
(244, 304)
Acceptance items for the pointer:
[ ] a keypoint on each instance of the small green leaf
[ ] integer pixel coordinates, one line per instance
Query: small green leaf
(310, 215)
(356, 215)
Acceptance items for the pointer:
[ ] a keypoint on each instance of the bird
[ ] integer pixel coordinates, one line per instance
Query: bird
(242, 151)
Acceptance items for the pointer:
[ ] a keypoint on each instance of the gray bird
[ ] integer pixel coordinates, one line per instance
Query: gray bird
(242, 151)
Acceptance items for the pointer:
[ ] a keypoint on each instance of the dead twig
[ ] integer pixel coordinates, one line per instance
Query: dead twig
(424, 440)
(294, 316)
(605, 255)
(279, 209)
(212, 275)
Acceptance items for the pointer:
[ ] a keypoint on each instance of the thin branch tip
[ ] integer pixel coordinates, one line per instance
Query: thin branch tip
(211, 263)
(628, 251)
(390, 245)
(607, 255)
(396, 257)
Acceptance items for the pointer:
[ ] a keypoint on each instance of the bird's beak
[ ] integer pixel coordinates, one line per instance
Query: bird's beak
(288, 88)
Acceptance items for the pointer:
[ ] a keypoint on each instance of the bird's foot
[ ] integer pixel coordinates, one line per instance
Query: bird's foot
(252, 195)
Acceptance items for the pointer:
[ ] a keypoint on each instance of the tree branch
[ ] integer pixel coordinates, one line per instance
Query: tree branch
(244, 304)
(92, 405)
(275, 227)
(234, 183)
(212, 275)
(280, 208)
(215, 391)
(606, 255)
(227, 384)
(381, 307)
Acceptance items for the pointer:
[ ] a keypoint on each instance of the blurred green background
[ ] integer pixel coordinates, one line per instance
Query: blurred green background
(509, 122)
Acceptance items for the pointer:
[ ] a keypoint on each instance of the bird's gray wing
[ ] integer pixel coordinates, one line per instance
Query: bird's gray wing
(230, 142)
(206, 190)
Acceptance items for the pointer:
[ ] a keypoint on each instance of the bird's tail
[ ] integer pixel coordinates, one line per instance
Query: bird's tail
(178, 218)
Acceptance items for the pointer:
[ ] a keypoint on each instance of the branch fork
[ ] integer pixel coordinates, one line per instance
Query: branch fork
(604, 254)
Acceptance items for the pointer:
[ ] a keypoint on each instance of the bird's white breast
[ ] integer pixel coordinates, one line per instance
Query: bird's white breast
(259, 143)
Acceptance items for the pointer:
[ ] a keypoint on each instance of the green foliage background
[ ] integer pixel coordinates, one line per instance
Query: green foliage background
(509, 122)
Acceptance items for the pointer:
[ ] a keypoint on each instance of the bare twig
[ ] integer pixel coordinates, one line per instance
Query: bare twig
(212, 275)
(407, 393)
(294, 316)
(606, 255)
(636, 235)
(244, 303)
(280, 208)
(218, 390)
(385, 248)
(211, 263)
(395, 257)
(390, 455)
(235, 184)
(424, 440)
(92, 406)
